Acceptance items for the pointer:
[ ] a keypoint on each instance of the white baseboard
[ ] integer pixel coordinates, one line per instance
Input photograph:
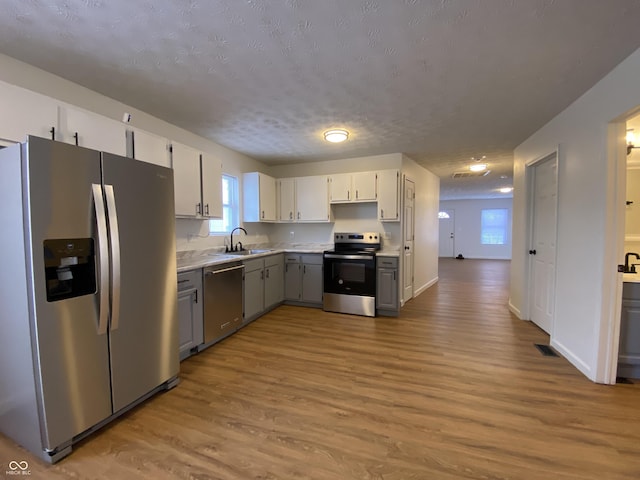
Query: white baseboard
(515, 310)
(576, 361)
(425, 286)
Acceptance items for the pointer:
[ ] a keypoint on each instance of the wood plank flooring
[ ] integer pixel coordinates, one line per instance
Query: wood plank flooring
(452, 389)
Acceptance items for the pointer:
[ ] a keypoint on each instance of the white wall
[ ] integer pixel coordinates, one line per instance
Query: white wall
(586, 186)
(467, 222)
(190, 234)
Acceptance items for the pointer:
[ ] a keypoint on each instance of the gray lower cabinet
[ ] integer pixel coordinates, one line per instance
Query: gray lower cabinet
(387, 286)
(303, 279)
(263, 285)
(629, 346)
(190, 320)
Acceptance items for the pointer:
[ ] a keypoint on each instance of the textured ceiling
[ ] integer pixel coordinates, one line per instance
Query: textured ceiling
(440, 80)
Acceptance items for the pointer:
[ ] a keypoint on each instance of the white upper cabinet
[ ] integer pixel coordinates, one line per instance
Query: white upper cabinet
(340, 187)
(353, 187)
(147, 147)
(388, 195)
(364, 186)
(185, 162)
(211, 169)
(87, 129)
(259, 195)
(286, 199)
(312, 199)
(26, 113)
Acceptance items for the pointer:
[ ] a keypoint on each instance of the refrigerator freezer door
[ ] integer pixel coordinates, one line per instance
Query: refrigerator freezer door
(144, 346)
(72, 360)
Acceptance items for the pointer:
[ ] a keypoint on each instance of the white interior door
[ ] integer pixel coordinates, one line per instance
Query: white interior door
(543, 245)
(409, 230)
(446, 243)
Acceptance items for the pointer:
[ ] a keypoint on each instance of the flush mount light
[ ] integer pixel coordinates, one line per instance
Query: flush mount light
(336, 136)
(478, 167)
(506, 189)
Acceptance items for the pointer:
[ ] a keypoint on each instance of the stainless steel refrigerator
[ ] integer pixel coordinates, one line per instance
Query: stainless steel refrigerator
(88, 291)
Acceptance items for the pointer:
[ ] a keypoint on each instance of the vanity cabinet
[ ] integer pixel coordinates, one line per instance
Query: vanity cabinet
(353, 187)
(190, 319)
(629, 345)
(387, 286)
(389, 195)
(303, 279)
(259, 195)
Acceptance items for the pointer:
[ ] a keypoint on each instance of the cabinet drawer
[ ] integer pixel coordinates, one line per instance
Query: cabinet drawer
(253, 265)
(189, 280)
(291, 258)
(273, 260)
(313, 259)
(387, 262)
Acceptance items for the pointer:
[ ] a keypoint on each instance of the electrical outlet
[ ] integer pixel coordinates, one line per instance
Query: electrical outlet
(291, 235)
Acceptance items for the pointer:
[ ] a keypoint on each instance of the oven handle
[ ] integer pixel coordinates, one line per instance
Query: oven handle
(349, 257)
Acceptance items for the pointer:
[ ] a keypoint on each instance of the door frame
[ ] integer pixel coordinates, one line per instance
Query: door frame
(530, 196)
(614, 231)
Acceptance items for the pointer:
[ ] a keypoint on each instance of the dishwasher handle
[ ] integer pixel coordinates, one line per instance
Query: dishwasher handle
(223, 270)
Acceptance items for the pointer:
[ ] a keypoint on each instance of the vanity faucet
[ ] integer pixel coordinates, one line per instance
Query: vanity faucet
(232, 248)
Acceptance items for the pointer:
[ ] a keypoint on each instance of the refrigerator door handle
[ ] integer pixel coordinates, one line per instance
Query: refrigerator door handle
(103, 258)
(114, 235)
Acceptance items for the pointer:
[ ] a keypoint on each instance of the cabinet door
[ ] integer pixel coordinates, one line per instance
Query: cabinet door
(387, 289)
(340, 188)
(187, 301)
(273, 285)
(30, 114)
(292, 286)
(286, 194)
(148, 148)
(88, 129)
(312, 199)
(259, 194)
(364, 187)
(388, 189)
(312, 285)
(253, 294)
(211, 186)
(185, 162)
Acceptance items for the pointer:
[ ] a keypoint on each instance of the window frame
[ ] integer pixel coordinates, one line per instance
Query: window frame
(232, 206)
(489, 231)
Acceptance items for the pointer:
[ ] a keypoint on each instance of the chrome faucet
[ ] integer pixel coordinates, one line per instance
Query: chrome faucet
(631, 269)
(233, 248)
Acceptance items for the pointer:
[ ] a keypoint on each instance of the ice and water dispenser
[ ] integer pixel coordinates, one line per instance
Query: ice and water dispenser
(69, 268)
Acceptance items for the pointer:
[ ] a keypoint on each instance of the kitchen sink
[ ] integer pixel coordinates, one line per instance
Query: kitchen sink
(242, 253)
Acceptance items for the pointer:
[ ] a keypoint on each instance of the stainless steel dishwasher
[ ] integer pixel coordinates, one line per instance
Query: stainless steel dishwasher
(223, 300)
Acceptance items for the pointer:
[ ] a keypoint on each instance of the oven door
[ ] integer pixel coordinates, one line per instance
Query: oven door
(347, 274)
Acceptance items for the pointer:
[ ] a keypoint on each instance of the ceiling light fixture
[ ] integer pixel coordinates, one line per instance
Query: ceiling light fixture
(478, 167)
(336, 136)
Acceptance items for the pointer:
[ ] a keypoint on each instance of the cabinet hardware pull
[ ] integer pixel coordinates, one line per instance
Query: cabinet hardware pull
(267, 273)
(198, 209)
(262, 275)
(53, 133)
(206, 209)
(356, 194)
(348, 195)
(304, 269)
(381, 213)
(298, 215)
(75, 135)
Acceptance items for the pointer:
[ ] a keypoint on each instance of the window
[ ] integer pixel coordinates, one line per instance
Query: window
(229, 207)
(443, 215)
(494, 226)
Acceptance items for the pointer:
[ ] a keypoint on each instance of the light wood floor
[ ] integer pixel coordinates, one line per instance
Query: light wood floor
(453, 389)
